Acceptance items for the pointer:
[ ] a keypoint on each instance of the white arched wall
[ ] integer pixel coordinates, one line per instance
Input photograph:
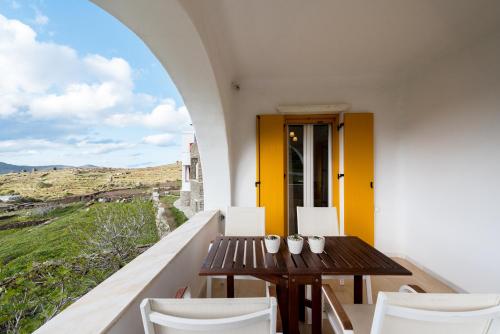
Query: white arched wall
(168, 31)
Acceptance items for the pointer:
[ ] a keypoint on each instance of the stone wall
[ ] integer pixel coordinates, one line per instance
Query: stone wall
(185, 199)
(196, 204)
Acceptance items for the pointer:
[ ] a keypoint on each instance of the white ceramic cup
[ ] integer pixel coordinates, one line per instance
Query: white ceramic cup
(272, 245)
(316, 244)
(295, 246)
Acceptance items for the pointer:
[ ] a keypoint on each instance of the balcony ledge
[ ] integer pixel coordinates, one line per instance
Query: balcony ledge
(113, 306)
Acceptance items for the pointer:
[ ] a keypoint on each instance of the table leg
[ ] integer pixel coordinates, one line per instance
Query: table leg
(230, 286)
(316, 305)
(293, 310)
(282, 295)
(358, 289)
(302, 302)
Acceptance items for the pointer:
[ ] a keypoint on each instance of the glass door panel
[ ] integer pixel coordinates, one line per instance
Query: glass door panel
(309, 168)
(295, 174)
(321, 162)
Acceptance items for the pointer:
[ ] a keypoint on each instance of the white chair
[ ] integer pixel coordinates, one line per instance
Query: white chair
(218, 315)
(246, 221)
(242, 221)
(412, 313)
(323, 221)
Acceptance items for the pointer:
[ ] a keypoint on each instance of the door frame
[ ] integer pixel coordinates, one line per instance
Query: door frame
(333, 121)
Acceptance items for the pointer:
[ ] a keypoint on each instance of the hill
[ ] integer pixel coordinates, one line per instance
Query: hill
(8, 168)
(55, 184)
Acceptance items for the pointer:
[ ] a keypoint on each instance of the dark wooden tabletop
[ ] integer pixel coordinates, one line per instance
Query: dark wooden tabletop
(342, 256)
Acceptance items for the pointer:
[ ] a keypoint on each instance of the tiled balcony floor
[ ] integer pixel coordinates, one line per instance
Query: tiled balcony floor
(245, 288)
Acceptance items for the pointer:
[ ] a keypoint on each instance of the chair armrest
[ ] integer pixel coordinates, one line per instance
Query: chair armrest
(271, 292)
(183, 293)
(339, 312)
(411, 288)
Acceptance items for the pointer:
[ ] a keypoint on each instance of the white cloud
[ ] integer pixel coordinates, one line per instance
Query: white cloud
(165, 139)
(78, 100)
(114, 69)
(26, 145)
(32, 146)
(165, 117)
(101, 148)
(41, 19)
(50, 80)
(49, 88)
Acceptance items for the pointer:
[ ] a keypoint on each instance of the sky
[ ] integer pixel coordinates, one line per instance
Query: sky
(77, 87)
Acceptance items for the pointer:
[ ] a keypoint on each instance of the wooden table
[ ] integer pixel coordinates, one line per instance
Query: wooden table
(230, 256)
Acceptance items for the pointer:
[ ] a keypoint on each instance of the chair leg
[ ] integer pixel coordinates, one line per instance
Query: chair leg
(308, 314)
(369, 295)
(209, 287)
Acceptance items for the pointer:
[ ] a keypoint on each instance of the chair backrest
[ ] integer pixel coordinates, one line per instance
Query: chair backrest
(210, 315)
(322, 221)
(413, 313)
(244, 221)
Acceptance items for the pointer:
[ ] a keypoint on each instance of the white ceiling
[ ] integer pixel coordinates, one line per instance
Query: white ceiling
(287, 38)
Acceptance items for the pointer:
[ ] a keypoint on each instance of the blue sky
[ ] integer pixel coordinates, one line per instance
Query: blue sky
(77, 87)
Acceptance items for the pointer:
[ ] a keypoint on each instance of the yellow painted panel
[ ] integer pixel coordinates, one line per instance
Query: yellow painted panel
(358, 171)
(271, 171)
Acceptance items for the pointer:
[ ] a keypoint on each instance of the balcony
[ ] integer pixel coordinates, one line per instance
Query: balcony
(113, 306)
(409, 90)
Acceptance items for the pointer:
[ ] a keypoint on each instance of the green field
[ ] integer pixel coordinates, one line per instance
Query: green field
(44, 268)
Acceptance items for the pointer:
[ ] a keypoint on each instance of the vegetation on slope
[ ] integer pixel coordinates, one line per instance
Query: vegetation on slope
(43, 269)
(178, 216)
(56, 184)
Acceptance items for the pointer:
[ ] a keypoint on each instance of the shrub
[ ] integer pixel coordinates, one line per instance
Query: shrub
(43, 185)
(118, 229)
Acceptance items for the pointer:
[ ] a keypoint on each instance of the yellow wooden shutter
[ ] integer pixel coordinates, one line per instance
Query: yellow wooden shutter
(358, 176)
(271, 171)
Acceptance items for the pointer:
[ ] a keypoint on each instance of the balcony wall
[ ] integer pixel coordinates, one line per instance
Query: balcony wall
(173, 262)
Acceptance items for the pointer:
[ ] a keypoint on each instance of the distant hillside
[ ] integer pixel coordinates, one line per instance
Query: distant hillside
(52, 184)
(8, 168)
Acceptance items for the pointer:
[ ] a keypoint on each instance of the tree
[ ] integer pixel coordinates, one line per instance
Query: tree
(119, 229)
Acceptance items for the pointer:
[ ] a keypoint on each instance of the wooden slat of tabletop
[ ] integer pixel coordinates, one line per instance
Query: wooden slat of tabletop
(336, 256)
(249, 257)
(351, 254)
(373, 259)
(376, 253)
(229, 263)
(311, 259)
(286, 256)
(259, 255)
(221, 253)
(240, 253)
(299, 262)
(280, 261)
(207, 264)
(361, 257)
(344, 247)
(268, 259)
(327, 261)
